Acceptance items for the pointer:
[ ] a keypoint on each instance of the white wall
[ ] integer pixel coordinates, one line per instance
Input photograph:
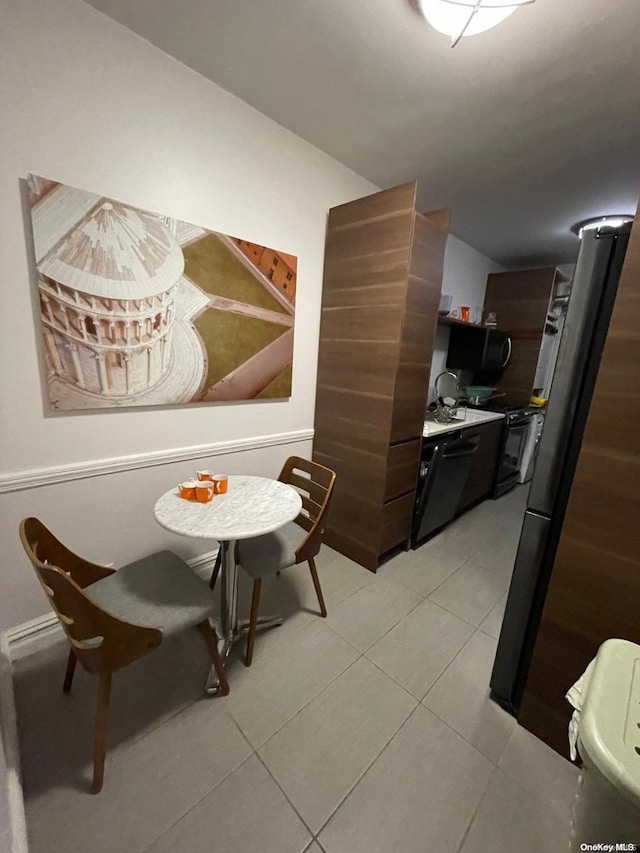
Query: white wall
(88, 103)
(465, 278)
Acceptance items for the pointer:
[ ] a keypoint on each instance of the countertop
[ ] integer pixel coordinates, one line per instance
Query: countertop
(471, 418)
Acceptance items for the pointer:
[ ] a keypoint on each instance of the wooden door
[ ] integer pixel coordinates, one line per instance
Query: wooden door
(594, 591)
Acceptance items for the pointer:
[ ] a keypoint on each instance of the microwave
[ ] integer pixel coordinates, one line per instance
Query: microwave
(482, 350)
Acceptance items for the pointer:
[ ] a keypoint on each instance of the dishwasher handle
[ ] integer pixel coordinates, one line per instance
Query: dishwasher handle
(463, 447)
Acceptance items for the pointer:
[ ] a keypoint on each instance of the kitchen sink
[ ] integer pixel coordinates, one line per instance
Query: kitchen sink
(431, 418)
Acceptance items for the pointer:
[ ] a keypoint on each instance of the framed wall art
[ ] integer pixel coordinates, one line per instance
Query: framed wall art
(139, 309)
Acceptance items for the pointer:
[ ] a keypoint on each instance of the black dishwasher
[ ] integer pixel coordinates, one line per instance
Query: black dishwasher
(444, 467)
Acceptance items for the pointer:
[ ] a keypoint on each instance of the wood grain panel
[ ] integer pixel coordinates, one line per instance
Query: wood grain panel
(383, 204)
(396, 523)
(360, 471)
(409, 402)
(595, 584)
(366, 554)
(380, 288)
(361, 239)
(403, 463)
(424, 285)
(380, 297)
(520, 300)
(361, 366)
(363, 323)
(358, 419)
(360, 518)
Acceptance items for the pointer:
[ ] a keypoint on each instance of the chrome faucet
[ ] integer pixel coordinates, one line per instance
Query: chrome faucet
(446, 373)
(443, 412)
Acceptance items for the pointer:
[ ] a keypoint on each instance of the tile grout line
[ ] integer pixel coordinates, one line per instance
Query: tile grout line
(382, 751)
(302, 707)
(475, 811)
(284, 794)
(395, 681)
(448, 665)
(366, 769)
(196, 803)
(395, 624)
(466, 740)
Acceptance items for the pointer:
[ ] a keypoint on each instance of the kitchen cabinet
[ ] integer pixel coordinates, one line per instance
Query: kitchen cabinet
(594, 587)
(381, 292)
(520, 300)
(482, 475)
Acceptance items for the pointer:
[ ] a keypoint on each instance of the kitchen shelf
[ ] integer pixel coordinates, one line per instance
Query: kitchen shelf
(454, 321)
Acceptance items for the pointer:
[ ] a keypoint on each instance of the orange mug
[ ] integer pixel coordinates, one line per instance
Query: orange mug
(205, 491)
(205, 475)
(188, 490)
(464, 313)
(221, 483)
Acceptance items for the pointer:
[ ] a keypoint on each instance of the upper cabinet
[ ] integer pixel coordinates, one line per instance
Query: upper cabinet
(520, 301)
(381, 291)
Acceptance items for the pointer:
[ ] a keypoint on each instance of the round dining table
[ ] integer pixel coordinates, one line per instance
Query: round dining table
(252, 506)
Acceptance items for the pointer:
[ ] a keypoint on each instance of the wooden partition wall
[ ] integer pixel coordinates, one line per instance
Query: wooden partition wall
(381, 292)
(594, 592)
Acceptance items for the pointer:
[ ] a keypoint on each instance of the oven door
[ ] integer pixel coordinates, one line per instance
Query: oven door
(512, 454)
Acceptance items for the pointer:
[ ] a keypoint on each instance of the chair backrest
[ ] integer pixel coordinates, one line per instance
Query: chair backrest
(315, 484)
(100, 640)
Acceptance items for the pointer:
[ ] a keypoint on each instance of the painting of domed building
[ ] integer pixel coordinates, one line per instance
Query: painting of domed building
(139, 309)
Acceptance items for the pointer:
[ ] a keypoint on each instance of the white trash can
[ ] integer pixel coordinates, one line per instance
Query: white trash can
(607, 807)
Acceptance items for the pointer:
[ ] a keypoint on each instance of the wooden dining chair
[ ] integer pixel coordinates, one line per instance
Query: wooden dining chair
(296, 542)
(113, 617)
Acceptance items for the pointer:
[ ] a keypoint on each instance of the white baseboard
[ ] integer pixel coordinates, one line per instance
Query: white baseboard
(9, 740)
(44, 631)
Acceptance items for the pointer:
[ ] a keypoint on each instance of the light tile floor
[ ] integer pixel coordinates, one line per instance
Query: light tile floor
(369, 731)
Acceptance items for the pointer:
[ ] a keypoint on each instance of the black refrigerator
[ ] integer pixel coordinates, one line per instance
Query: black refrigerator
(587, 319)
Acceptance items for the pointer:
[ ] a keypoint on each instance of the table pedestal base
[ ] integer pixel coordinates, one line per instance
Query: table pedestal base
(226, 644)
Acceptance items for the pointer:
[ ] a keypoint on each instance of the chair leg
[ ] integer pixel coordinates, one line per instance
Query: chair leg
(316, 583)
(71, 668)
(211, 640)
(100, 743)
(216, 569)
(253, 619)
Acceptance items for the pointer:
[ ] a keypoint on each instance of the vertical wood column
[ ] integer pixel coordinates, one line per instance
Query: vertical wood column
(382, 281)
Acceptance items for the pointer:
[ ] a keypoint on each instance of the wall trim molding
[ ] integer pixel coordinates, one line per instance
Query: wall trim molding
(9, 738)
(36, 634)
(55, 474)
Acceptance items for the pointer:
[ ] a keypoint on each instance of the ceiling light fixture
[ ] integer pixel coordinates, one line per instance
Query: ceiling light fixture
(457, 18)
(613, 220)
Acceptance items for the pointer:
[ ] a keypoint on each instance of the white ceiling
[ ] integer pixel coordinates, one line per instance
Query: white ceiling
(522, 130)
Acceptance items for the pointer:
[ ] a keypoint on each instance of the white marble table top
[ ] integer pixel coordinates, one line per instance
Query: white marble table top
(251, 507)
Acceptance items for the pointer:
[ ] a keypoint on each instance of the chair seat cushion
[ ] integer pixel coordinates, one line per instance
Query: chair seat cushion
(159, 591)
(266, 554)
